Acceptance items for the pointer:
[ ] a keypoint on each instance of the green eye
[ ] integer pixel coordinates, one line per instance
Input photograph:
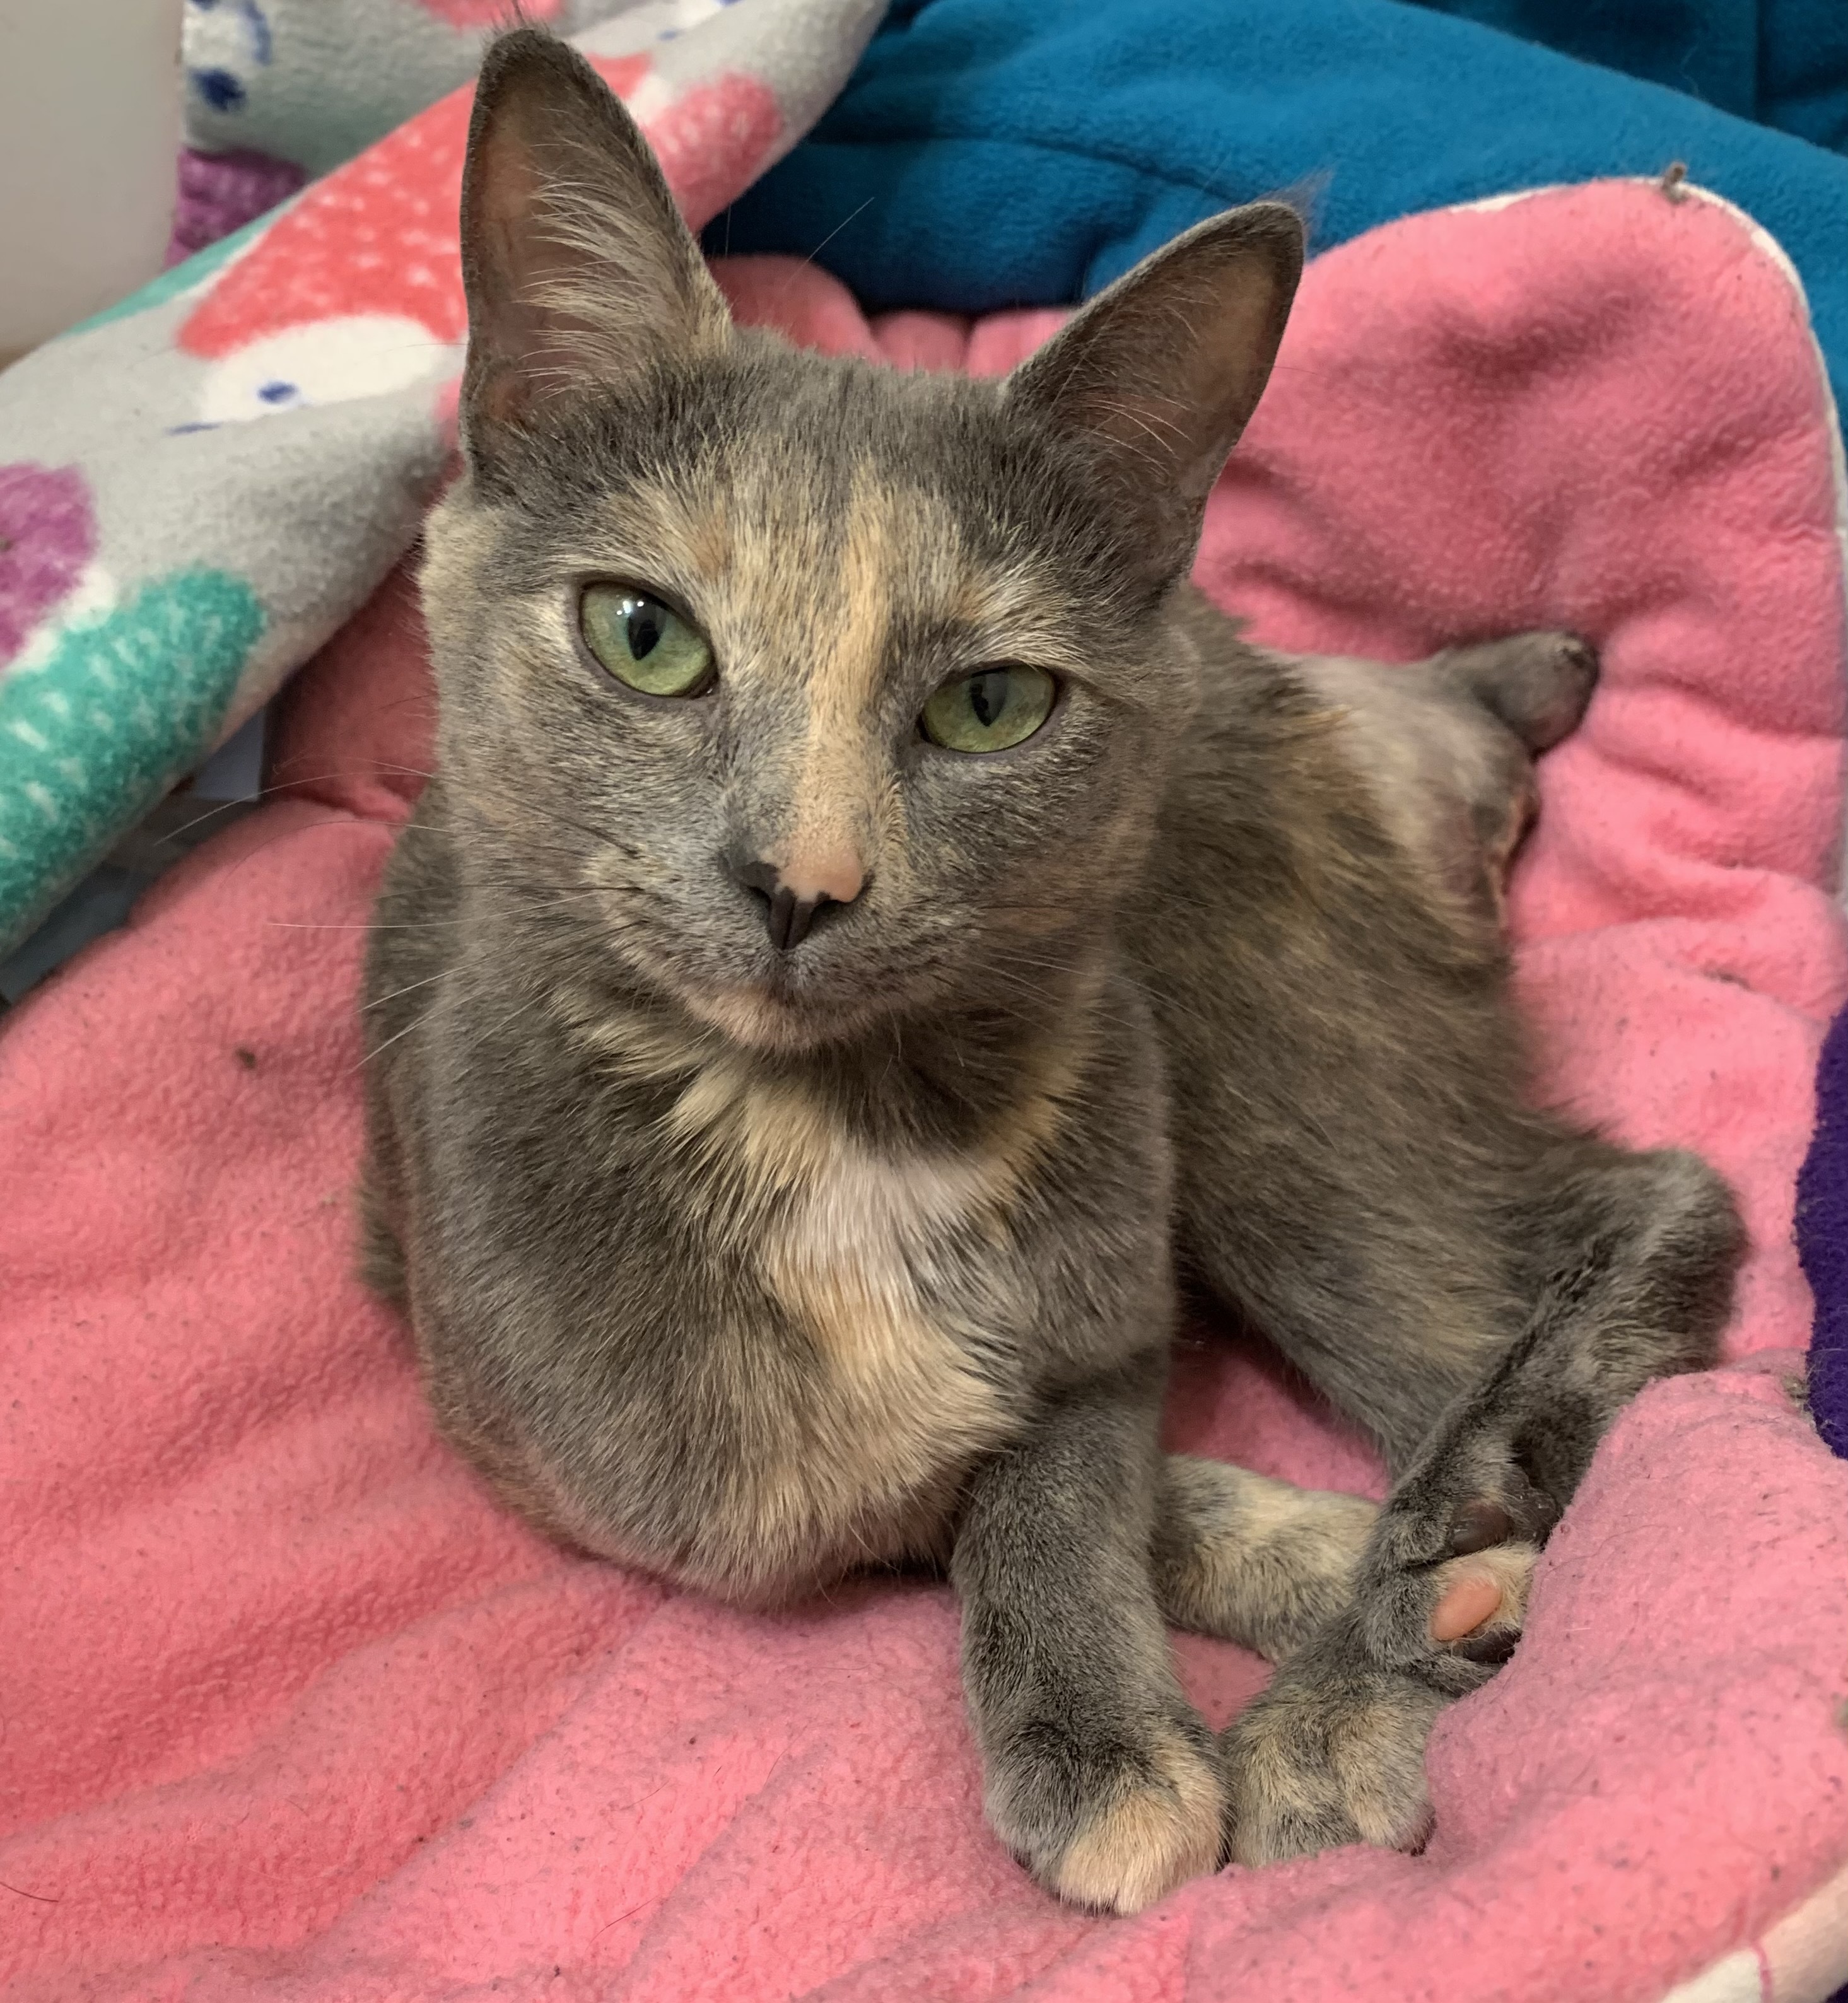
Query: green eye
(643, 642)
(989, 710)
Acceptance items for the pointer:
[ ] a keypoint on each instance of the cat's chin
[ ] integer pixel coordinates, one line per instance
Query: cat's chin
(759, 1019)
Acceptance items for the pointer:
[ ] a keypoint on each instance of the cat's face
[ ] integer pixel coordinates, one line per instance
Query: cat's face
(805, 692)
(822, 555)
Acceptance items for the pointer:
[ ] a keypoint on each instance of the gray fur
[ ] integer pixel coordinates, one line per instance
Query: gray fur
(753, 1266)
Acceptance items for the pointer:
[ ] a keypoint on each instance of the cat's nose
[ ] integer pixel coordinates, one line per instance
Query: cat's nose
(800, 894)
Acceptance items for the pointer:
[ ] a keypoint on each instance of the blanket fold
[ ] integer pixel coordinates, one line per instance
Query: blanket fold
(1085, 133)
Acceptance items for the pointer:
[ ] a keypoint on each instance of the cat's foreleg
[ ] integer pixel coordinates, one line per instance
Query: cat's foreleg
(1100, 1775)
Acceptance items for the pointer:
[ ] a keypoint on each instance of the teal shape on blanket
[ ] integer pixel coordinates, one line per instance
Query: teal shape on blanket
(182, 277)
(91, 737)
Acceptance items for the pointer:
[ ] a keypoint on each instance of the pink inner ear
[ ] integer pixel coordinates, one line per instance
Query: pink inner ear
(507, 188)
(514, 257)
(528, 330)
(1163, 369)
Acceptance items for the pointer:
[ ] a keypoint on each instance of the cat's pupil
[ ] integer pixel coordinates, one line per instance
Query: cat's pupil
(646, 624)
(987, 696)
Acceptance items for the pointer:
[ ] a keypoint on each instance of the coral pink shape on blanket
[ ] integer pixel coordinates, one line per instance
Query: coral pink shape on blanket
(489, 13)
(378, 236)
(715, 141)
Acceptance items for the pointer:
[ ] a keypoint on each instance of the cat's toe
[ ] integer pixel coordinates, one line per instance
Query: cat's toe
(1479, 1602)
(1113, 1828)
(1153, 1835)
(1314, 1764)
(1539, 684)
(1478, 1599)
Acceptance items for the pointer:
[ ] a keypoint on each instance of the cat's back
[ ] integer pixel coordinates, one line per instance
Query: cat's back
(1279, 851)
(1263, 826)
(1325, 1004)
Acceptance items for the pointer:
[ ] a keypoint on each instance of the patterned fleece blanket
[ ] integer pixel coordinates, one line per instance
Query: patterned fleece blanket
(199, 485)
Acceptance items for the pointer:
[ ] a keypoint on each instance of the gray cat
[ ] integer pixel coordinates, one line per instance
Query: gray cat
(874, 923)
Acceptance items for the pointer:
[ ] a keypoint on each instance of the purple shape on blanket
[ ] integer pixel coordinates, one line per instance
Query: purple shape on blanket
(220, 192)
(1822, 1241)
(47, 534)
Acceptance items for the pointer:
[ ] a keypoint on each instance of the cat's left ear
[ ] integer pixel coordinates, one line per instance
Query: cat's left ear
(1157, 376)
(579, 270)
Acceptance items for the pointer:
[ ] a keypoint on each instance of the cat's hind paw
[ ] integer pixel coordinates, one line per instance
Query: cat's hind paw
(1479, 1602)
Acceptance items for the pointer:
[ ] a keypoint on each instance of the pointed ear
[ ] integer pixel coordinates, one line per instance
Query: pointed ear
(579, 270)
(1158, 374)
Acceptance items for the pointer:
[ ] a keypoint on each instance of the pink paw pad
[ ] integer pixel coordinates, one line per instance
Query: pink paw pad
(1471, 1600)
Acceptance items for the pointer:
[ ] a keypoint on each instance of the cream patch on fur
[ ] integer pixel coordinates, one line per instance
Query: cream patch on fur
(1153, 1835)
(1255, 1560)
(638, 1045)
(842, 1237)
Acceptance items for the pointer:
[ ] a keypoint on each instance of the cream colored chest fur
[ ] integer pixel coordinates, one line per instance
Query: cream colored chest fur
(853, 1403)
(867, 1444)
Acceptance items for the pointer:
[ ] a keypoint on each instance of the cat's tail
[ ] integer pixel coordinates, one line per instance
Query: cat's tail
(1250, 1559)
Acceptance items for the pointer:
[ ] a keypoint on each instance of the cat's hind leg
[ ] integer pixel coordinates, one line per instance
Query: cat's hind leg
(1447, 745)
(1634, 1257)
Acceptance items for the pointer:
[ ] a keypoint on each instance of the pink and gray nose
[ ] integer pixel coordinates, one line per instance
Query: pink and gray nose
(802, 894)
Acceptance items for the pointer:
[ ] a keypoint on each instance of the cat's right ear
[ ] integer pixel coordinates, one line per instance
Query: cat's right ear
(579, 271)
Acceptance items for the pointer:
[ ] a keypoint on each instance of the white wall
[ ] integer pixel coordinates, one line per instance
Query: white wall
(90, 126)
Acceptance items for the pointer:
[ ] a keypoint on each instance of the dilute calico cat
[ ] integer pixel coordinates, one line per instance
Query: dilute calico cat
(875, 932)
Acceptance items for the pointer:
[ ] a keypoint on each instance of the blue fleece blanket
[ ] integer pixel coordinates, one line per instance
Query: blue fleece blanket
(1778, 62)
(996, 152)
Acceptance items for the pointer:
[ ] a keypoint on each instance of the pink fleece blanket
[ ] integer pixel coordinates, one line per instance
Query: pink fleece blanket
(289, 1710)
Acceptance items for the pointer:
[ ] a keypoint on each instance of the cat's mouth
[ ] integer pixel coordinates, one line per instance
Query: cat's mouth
(767, 1002)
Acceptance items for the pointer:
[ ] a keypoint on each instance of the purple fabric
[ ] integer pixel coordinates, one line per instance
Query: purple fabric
(220, 192)
(1823, 1243)
(47, 534)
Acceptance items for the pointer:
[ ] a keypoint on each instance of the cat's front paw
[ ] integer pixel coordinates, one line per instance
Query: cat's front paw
(1109, 1826)
(1329, 1756)
(1333, 1752)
